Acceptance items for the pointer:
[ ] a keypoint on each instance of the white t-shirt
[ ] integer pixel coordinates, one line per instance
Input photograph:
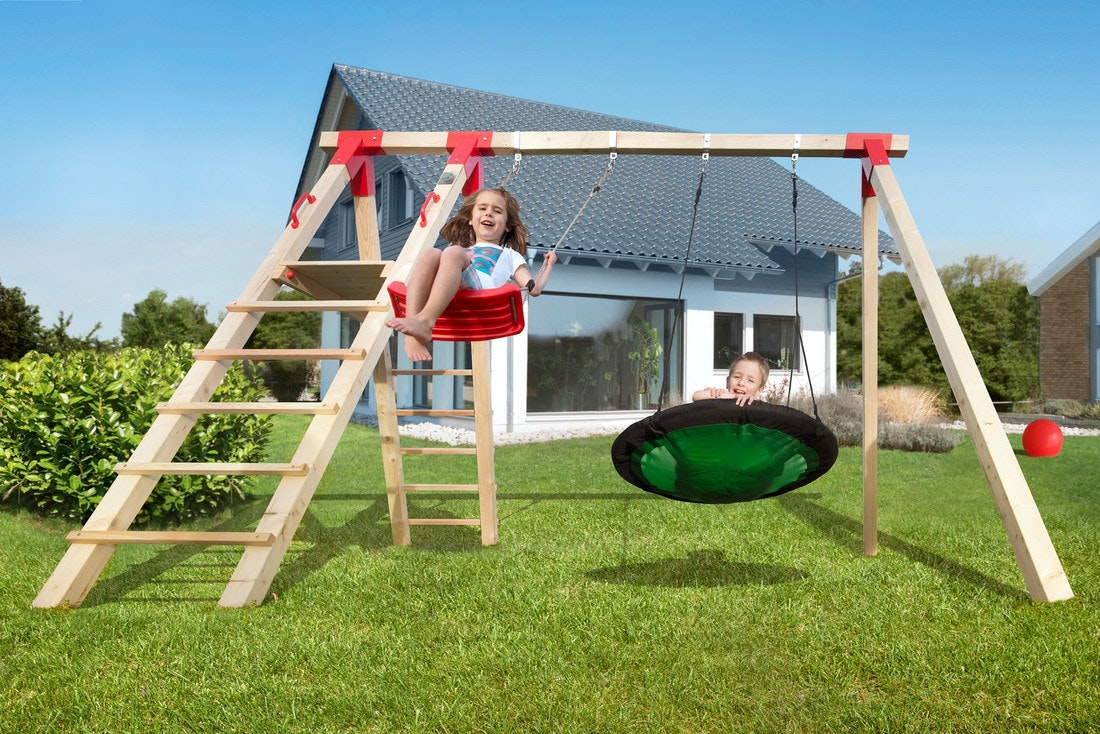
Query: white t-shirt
(491, 266)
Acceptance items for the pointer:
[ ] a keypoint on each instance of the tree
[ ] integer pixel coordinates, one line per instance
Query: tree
(156, 322)
(57, 340)
(979, 270)
(287, 330)
(20, 324)
(996, 314)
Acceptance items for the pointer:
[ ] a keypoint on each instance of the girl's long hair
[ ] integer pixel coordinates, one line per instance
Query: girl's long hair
(459, 232)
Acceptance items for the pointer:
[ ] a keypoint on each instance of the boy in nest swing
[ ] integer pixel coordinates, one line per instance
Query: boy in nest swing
(488, 244)
(745, 382)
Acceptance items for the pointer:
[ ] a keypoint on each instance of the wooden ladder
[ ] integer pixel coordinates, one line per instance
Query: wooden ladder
(354, 287)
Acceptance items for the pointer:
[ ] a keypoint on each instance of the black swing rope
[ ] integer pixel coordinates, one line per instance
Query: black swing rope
(678, 313)
(797, 314)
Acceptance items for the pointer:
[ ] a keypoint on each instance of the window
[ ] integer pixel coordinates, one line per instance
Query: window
(776, 339)
(594, 353)
(348, 236)
(401, 198)
(729, 329)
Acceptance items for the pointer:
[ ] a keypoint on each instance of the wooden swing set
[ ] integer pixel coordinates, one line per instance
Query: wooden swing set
(369, 287)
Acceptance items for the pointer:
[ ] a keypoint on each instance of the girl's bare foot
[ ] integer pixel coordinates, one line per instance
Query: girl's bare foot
(417, 335)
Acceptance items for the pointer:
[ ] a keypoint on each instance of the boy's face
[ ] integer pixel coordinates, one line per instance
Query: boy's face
(746, 379)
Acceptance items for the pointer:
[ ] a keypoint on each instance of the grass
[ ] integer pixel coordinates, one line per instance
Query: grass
(602, 609)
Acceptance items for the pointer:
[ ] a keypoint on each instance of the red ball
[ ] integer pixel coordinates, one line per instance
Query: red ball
(1042, 437)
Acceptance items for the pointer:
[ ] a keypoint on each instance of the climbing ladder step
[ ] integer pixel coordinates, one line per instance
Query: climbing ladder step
(263, 407)
(233, 354)
(441, 487)
(296, 306)
(431, 412)
(168, 537)
(211, 469)
(429, 373)
(444, 521)
(440, 450)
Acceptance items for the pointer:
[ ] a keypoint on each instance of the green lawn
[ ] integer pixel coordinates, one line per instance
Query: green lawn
(602, 609)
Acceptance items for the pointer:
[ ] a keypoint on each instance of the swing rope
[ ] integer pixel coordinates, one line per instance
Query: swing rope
(591, 194)
(797, 314)
(678, 313)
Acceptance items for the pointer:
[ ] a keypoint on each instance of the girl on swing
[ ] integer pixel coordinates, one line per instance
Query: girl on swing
(488, 244)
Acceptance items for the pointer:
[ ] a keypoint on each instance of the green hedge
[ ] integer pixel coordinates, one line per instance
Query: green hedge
(68, 419)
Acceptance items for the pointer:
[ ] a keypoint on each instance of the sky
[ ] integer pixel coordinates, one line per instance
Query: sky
(157, 144)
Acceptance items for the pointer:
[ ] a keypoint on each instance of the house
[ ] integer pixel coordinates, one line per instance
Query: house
(1069, 315)
(633, 248)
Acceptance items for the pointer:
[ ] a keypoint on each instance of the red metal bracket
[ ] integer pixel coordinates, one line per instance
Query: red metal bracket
(294, 210)
(467, 148)
(871, 147)
(356, 150)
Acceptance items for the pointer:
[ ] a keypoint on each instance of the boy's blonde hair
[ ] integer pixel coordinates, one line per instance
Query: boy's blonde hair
(458, 231)
(756, 359)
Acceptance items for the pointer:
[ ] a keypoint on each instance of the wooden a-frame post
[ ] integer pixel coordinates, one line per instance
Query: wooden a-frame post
(1038, 561)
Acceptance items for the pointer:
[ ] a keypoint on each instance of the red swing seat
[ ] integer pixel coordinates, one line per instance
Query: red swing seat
(473, 315)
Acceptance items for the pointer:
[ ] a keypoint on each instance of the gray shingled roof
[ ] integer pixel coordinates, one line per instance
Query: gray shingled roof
(643, 211)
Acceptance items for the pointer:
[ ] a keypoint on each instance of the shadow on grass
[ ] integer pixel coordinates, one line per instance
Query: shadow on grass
(701, 568)
(833, 524)
(116, 588)
(315, 544)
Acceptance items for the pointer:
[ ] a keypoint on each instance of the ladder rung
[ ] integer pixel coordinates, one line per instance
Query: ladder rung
(117, 537)
(223, 354)
(441, 450)
(295, 306)
(441, 487)
(308, 408)
(445, 521)
(427, 372)
(429, 411)
(213, 468)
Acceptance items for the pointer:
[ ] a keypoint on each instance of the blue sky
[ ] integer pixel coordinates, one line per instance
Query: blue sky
(157, 144)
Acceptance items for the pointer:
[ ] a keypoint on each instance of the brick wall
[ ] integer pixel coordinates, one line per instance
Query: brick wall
(1064, 323)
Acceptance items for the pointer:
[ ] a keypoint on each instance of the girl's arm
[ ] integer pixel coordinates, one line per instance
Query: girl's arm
(523, 275)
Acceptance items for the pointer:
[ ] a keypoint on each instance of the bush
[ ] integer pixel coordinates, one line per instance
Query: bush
(1067, 408)
(843, 413)
(69, 419)
(908, 404)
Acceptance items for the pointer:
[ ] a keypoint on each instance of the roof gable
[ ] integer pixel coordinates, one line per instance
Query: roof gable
(1086, 246)
(642, 212)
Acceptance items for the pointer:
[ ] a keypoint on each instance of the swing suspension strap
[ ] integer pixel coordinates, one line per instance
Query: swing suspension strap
(797, 315)
(678, 315)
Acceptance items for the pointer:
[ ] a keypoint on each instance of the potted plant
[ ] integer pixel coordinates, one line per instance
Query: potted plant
(646, 356)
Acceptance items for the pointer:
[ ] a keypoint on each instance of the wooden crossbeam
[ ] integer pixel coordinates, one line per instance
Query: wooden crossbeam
(627, 142)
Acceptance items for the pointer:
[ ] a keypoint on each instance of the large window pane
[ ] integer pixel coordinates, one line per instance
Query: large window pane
(729, 331)
(591, 353)
(776, 339)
